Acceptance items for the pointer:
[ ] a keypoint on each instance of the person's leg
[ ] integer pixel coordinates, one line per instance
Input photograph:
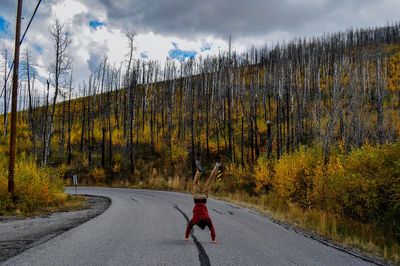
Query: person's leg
(211, 179)
(196, 183)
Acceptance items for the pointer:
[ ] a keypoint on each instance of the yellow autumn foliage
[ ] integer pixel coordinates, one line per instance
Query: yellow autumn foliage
(35, 187)
(295, 176)
(366, 185)
(237, 177)
(98, 174)
(264, 173)
(179, 153)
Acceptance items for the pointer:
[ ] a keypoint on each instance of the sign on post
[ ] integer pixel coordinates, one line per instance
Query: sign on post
(75, 181)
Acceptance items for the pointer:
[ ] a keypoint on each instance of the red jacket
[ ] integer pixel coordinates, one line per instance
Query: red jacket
(200, 218)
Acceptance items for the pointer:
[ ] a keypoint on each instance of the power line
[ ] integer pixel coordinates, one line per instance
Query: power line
(20, 42)
(24, 10)
(30, 21)
(8, 75)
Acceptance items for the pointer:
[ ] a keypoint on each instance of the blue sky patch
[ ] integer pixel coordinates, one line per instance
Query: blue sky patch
(38, 48)
(179, 54)
(94, 24)
(4, 26)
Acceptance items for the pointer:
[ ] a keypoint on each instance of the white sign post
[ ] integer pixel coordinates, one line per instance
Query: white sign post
(75, 180)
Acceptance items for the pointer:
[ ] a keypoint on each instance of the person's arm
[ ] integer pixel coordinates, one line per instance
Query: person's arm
(212, 230)
(188, 229)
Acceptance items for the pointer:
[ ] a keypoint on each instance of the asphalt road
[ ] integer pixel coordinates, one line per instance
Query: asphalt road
(144, 227)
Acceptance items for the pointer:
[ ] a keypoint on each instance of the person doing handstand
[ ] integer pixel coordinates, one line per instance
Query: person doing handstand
(201, 218)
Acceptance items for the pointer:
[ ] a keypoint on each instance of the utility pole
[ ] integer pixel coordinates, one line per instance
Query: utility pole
(13, 135)
(5, 92)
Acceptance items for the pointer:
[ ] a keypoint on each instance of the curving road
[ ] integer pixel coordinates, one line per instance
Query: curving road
(144, 227)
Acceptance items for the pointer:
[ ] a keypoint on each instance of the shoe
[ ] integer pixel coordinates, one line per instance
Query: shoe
(199, 167)
(217, 164)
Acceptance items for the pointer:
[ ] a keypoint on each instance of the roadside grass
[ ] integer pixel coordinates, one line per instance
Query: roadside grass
(72, 203)
(368, 238)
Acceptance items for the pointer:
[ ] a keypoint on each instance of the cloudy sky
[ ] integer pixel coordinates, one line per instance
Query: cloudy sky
(180, 29)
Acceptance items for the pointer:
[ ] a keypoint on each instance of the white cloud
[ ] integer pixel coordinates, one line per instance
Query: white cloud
(90, 45)
(67, 9)
(191, 26)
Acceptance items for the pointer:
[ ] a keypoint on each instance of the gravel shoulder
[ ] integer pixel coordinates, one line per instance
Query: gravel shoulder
(20, 234)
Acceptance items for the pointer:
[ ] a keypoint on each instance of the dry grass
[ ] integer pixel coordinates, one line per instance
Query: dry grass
(365, 237)
(72, 203)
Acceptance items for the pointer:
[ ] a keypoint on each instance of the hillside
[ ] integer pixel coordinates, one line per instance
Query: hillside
(309, 126)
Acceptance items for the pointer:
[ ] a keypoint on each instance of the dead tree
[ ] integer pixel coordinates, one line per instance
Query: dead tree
(61, 36)
(30, 79)
(69, 122)
(335, 105)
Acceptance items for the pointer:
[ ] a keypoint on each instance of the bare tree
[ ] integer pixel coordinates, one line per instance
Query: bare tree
(30, 75)
(334, 106)
(69, 121)
(61, 36)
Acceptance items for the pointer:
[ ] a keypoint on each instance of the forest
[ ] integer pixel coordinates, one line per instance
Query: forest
(311, 125)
